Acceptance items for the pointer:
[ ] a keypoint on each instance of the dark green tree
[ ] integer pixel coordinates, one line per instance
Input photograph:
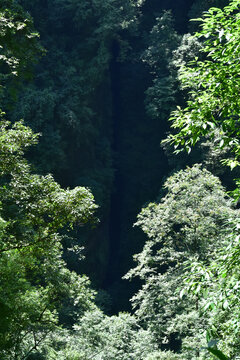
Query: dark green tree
(35, 281)
(19, 45)
(162, 42)
(71, 102)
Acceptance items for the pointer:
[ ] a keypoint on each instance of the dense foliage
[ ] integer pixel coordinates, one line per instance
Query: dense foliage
(213, 104)
(212, 84)
(95, 109)
(189, 225)
(35, 282)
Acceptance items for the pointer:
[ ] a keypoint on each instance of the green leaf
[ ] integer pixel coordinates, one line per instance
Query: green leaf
(217, 353)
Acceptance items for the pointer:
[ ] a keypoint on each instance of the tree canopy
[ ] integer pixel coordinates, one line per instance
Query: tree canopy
(188, 225)
(212, 85)
(112, 74)
(35, 281)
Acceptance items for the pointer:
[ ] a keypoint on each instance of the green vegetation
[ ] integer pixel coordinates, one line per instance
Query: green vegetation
(112, 75)
(188, 226)
(212, 84)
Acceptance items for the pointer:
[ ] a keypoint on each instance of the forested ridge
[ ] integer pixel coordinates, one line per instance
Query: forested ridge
(119, 179)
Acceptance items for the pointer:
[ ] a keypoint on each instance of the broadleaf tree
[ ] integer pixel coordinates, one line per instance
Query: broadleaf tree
(212, 86)
(35, 281)
(188, 225)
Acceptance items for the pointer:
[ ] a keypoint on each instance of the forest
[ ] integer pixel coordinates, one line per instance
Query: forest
(119, 179)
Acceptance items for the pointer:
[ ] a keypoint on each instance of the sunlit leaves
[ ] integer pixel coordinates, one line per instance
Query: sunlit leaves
(186, 228)
(34, 279)
(213, 105)
(212, 84)
(19, 45)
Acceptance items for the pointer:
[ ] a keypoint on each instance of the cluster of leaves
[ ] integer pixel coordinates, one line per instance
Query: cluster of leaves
(19, 45)
(218, 285)
(163, 40)
(34, 278)
(35, 281)
(212, 108)
(212, 85)
(189, 224)
(98, 336)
